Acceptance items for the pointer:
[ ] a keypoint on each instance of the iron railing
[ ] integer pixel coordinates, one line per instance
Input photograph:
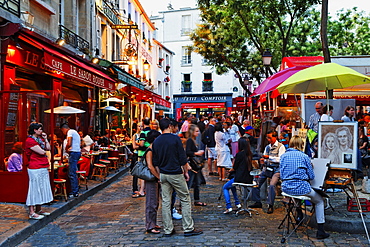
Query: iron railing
(74, 40)
(186, 86)
(13, 6)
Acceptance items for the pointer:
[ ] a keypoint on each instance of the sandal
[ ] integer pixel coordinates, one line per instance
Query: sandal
(200, 204)
(43, 213)
(153, 231)
(135, 195)
(157, 227)
(140, 195)
(34, 217)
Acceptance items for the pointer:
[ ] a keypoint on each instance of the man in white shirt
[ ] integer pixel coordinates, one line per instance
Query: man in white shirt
(73, 147)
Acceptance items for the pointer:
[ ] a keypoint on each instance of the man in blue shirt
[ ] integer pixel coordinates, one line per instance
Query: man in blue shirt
(296, 170)
(170, 160)
(313, 122)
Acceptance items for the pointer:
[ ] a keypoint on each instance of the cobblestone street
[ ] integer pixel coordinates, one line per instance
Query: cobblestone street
(112, 218)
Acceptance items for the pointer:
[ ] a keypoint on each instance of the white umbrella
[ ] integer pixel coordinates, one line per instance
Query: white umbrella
(109, 108)
(114, 99)
(65, 110)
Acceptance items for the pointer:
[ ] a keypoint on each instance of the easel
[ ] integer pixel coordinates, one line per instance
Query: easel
(343, 177)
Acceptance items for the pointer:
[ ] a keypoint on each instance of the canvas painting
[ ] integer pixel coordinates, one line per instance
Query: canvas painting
(338, 142)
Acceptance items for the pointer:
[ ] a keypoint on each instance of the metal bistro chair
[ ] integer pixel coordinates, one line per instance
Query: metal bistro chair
(246, 194)
(247, 191)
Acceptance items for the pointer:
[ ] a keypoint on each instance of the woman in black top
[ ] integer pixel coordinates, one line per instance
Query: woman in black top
(193, 153)
(241, 170)
(151, 188)
(363, 141)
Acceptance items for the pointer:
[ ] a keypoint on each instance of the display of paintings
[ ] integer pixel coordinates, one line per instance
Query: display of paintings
(338, 142)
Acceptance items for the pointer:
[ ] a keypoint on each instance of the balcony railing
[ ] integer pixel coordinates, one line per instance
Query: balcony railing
(205, 61)
(74, 40)
(207, 86)
(13, 6)
(186, 86)
(185, 31)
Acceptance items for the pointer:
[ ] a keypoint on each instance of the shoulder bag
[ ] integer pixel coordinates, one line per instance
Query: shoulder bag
(196, 163)
(141, 169)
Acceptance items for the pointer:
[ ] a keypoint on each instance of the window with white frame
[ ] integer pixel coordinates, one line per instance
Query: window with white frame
(185, 24)
(186, 55)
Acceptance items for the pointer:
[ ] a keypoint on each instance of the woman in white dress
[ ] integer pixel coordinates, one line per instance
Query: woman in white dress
(223, 151)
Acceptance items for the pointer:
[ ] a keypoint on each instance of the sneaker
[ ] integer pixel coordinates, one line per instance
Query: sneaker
(193, 232)
(170, 234)
(176, 215)
(227, 211)
(72, 195)
(239, 206)
(256, 205)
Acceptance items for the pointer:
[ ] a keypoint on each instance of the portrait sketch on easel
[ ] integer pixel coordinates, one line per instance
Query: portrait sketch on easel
(338, 142)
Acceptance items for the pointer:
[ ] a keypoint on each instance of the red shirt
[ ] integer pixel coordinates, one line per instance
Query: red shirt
(36, 161)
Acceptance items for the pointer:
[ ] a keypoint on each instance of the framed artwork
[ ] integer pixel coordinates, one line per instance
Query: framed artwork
(338, 142)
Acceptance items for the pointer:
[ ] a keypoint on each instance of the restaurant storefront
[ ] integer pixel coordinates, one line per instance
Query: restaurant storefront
(39, 76)
(200, 104)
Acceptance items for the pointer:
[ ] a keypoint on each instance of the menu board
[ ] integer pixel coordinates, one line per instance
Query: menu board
(12, 107)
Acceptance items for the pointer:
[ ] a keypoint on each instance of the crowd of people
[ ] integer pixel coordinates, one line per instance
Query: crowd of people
(172, 155)
(175, 153)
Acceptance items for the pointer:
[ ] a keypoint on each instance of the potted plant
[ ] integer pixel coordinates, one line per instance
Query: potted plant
(168, 68)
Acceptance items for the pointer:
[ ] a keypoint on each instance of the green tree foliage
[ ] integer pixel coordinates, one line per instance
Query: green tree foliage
(235, 33)
(349, 33)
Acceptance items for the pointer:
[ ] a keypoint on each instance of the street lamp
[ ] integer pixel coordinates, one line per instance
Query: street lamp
(266, 59)
(146, 65)
(248, 83)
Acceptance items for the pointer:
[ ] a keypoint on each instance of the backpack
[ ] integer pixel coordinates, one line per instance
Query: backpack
(205, 137)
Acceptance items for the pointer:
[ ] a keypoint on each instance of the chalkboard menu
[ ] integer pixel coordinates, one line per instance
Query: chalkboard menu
(12, 107)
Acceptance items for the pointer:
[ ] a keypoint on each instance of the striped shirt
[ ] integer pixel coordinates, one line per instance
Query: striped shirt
(313, 123)
(295, 172)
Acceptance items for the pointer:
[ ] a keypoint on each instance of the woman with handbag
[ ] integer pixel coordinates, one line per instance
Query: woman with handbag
(151, 188)
(240, 173)
(195, 162)
(135, 144)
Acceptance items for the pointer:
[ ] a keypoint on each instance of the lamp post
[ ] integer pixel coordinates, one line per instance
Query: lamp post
(266, 59)
(248, 83)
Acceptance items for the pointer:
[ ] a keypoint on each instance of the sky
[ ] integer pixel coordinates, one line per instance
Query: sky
(152, 7)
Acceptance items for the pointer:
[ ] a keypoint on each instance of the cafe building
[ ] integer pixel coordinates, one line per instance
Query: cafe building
(201, 104)
(39, 75)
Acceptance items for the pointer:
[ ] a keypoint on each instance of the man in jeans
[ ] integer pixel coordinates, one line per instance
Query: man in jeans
(208, 139)
(170, 160)
(73, 147)
(271, 161)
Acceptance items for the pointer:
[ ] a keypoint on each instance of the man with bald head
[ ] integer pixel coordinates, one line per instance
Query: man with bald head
(313, 123)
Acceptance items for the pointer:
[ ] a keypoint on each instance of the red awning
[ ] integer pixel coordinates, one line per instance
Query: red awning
(72, 67)
(203, 105)
(159, 100)
(289, 62)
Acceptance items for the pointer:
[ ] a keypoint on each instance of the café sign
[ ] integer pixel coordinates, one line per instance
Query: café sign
(77, 71)
(211, 98)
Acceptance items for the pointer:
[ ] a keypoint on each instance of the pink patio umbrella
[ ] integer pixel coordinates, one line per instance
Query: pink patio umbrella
(272, 82)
